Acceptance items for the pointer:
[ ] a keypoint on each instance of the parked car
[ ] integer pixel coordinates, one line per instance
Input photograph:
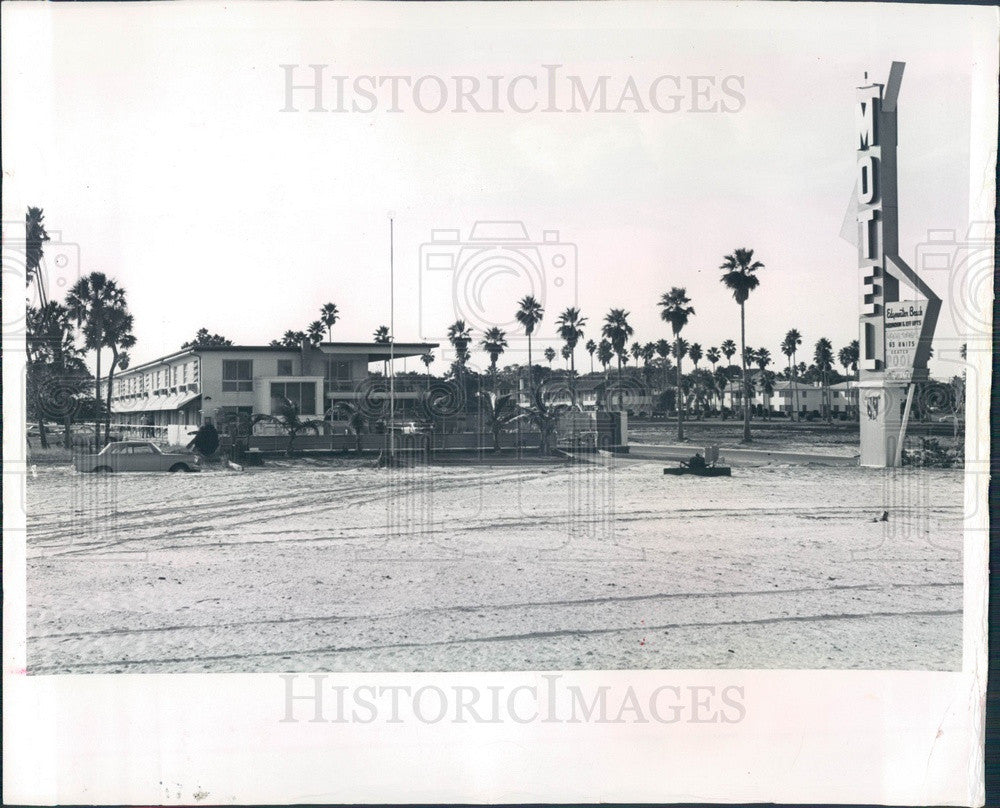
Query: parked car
(136, 455)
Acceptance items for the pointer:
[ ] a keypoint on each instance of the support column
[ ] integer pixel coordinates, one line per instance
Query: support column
(880, 403)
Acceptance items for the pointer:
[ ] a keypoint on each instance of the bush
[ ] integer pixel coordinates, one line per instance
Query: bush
(932, 454)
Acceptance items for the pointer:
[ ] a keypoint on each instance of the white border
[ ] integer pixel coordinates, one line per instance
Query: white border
(809, 736)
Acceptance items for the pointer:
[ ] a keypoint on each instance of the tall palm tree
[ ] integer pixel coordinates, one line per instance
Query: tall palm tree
(762, 356)
(329, 315)
(617, 330)
(823, 359)
(89, 302)
(789, 346)
(381, 336)
(674, 309)
(591, 347)
(713, 356)
(34, 237)
(428, 360)
(315, 332)
(118, 337)
(550, 354)
(460, 336)
(570, 327)
(663, 351)
(605, 353)
(494, 343)
(739, 277)
(849, 356)
(529, 314)
(648, 352)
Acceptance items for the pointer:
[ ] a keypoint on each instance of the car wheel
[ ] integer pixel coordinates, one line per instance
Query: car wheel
(179, 467)
(102, 470)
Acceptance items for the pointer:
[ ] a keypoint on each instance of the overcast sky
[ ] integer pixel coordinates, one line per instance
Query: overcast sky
(153, 138)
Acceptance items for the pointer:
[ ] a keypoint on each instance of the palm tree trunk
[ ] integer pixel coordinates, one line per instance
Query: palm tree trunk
(111, 374)
(619, 382)
(531, 398)
(746, 381)
(97, 399)
(680, 398)
(795, 385)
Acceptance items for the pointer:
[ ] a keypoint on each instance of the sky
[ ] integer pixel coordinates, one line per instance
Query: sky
(154, 138)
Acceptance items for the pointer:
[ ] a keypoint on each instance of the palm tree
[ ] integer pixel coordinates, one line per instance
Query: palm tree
(329, 315)
(494, 343)
(381, 336)
(570, 326)
(545, 415)
(849, 356)
(460, 335)
(617, 330)
(729, 350)
(287, 417)
(529, 314)
(591, 347)
(674, 309)
(427, 359)
(89, 301)
(763, 358)
(56, 375)
(315, 332)
(679, 350)
(605, 353)
(550, 354)
(34, 237)
(713, 356)
(739, 278)
(695, 353)
(823, 358)
(636, 351)
(663, 351)
(354, 416)
(499, 412)
(789, 345)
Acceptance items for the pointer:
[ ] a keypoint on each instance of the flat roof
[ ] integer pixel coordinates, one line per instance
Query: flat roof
(377, 351)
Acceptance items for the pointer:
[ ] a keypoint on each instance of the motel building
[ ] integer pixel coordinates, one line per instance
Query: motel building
(791, 396)
(173, 395)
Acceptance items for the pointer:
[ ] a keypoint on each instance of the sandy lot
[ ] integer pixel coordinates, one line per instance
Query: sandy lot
(319, 566)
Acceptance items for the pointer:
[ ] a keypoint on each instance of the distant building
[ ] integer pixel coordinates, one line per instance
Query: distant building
(178, 392)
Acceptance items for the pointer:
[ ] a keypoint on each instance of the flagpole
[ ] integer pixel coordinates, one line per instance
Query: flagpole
(392, 338)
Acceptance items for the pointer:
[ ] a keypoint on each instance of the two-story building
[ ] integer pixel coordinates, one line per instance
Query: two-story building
(178, 392)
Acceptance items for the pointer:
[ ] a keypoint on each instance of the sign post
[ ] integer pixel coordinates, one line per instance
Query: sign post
(894, 336)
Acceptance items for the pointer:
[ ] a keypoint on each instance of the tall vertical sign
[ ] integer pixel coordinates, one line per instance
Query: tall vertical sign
(894, 336)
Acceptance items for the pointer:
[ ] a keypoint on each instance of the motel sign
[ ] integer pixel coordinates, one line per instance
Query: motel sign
(894, 336)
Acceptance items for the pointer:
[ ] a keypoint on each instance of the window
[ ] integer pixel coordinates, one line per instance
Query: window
(301, 394)
(174, 382)
(237, 375)
(185, 374)
(338, 371)
(284, 367)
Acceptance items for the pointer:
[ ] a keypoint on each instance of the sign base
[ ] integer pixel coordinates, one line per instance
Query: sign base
(881, 405)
